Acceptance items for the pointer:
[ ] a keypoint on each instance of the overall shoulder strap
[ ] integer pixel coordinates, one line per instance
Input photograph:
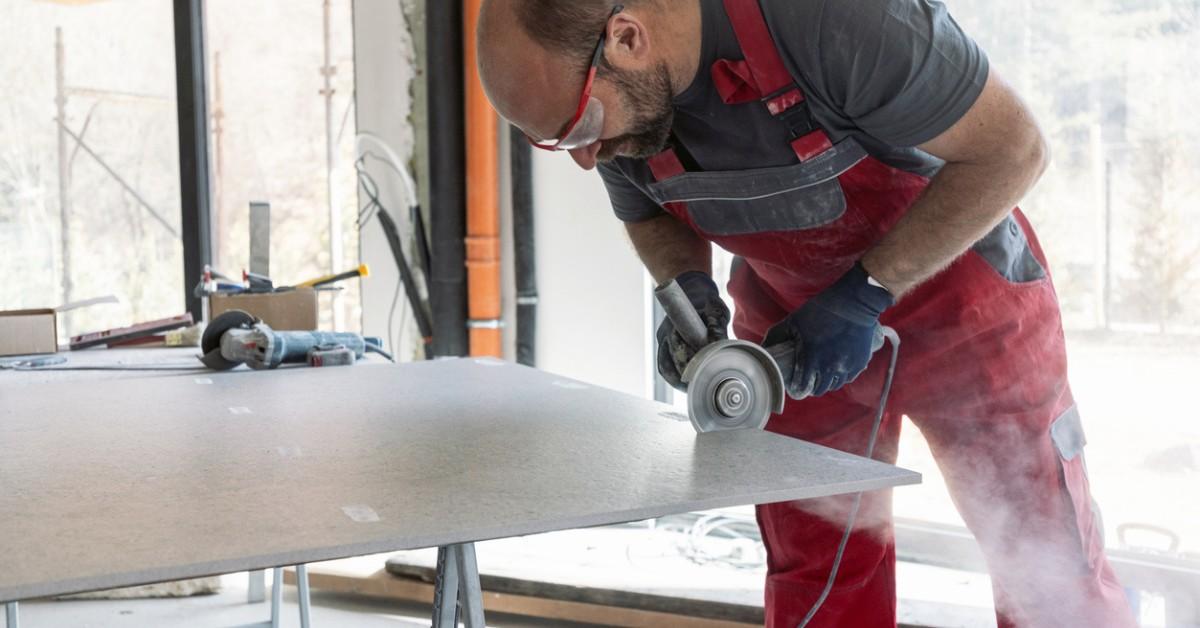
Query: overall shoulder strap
(775, 85)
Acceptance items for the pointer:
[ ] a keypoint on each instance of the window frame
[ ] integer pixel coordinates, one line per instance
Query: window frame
(195, 182)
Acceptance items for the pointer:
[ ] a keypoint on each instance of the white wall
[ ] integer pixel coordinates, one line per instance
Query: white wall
(593, 319)
(385, 66)
(508, 274)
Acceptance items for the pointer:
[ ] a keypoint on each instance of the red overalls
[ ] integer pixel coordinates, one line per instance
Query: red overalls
(982, 372)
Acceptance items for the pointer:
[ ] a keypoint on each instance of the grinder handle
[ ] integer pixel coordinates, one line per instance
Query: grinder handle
(682, 313)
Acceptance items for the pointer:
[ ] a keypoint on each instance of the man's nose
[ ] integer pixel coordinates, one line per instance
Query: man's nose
(586, 156)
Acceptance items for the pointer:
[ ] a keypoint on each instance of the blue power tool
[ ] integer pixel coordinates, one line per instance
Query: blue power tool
(235, 337)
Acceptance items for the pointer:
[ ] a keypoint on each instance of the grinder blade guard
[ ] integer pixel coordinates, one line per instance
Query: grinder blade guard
(210, 343)
(733, 385)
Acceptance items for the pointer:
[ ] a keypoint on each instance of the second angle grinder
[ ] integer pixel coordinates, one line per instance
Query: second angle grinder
(236, 338)
(732, 384)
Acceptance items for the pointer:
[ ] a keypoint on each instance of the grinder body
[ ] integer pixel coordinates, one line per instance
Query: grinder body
(261, 347)
(236, 337)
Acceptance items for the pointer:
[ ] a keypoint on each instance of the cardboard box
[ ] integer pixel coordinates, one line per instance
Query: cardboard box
(25, 332)
(293, 310)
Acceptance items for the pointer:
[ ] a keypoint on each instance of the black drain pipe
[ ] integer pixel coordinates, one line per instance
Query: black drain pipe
(523, 247)
(447, 167)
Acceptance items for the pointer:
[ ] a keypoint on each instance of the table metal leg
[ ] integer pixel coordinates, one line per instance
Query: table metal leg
(470, 592)
(276, 595)
(445, 588)
(10, 615)
(456, 588)
(257, 589)
(302, 582)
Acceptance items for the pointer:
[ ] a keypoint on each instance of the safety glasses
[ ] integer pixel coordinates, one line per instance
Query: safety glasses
(586, 126)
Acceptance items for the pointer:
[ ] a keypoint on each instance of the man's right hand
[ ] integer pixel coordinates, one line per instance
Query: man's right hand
(674, 352)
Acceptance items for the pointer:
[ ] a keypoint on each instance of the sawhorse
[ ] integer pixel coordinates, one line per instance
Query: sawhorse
(456, 588)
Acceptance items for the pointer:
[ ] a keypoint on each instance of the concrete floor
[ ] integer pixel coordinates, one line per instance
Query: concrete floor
(228, 609)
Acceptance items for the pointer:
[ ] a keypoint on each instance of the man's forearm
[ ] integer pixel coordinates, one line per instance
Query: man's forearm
(669, 248)
(960, 206)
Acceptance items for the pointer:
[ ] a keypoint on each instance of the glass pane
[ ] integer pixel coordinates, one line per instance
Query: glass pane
(271, 119)
(1117, 213)
(90, 207)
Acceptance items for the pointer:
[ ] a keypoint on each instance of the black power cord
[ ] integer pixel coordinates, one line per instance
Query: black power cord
(894, 338)
(408, 276)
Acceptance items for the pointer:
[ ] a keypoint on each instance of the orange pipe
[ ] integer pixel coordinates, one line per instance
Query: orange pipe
(483, 203)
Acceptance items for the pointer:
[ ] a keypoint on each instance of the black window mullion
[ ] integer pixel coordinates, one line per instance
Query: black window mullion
(194, 185)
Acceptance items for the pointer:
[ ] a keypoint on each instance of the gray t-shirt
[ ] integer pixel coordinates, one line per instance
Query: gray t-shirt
(893, 74)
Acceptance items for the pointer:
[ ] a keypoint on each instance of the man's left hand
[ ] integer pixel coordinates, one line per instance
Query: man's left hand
(832, 335)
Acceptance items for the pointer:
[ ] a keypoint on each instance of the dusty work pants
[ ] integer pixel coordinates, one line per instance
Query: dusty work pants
(983, 374)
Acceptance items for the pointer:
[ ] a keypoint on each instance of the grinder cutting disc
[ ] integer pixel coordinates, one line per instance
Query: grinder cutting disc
(733, 385)
(210, 343)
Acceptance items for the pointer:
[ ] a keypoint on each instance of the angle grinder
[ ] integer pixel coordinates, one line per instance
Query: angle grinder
(235, 337)
(732, 384)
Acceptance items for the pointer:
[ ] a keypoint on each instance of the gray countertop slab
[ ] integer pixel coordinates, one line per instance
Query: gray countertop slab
(115, 483)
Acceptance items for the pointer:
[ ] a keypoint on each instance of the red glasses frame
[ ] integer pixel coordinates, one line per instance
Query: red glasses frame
(586, 96)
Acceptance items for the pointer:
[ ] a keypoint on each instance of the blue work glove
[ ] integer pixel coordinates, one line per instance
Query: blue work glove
(833, 335)
(674, 352)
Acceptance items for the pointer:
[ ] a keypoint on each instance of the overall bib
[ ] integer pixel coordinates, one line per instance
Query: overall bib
(982, 372)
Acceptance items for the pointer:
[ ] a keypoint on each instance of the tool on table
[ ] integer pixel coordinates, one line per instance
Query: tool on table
(253, 283)
(112, 337)
(227, 288)
(362, 271)
(185, 337)
(256, 279)
(236, 337)
(331, 355)
(256, 283)
(33, 363)
(212, 273)
(732, 384)
(213, 281)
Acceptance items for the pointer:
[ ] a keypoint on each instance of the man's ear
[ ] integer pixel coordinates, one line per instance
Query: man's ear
(628, 43)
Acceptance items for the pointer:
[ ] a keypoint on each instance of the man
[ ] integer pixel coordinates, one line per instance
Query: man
(862, 161)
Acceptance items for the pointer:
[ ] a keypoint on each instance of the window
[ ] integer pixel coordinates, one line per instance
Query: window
(1112, 87)
(89, 163)
(1117, 213)
(272, 116)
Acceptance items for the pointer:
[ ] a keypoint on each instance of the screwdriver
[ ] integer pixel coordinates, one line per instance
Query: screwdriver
(361, 271)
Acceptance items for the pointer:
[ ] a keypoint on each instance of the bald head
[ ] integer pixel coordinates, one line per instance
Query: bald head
(526, 83)
(539, 49)
(533, 58)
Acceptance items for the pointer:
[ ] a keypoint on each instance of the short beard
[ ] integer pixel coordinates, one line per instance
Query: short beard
(647, 96)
